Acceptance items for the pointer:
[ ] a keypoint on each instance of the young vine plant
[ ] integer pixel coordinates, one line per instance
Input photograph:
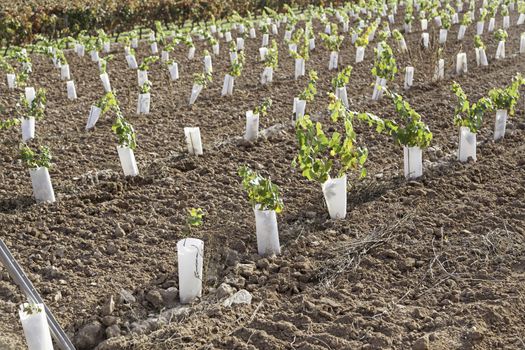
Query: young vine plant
(262, 109)
(261, 191)
(38, 158)
(469, 114)
(321, 157)
(507, 98)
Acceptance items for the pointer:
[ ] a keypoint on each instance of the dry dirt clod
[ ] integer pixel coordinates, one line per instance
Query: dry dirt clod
(108, 307)
(154, 297)
(224, 291)
(109, 320)
(421, 344)
(89, 336)
(113, 331)
(127, 296)
(119, 232)
(169, 296)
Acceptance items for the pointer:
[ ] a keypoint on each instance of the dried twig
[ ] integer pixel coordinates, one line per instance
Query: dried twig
(348, 256)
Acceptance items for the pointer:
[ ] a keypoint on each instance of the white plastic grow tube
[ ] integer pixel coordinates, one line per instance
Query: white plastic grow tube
(467, 144)
(195, 91)
(252, 126)
(143, 103)
(409, 77)
(94, 114)
(501, 124)
(36, 328)
(267, 232)
(41, 183)
(193, 140)
(227, 87)
(190, 261)
(413, 162)
(28, 128)
(127, 161)
(71, 90)
(334, 191)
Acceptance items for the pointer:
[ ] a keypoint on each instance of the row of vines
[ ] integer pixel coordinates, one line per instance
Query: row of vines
(21, 22)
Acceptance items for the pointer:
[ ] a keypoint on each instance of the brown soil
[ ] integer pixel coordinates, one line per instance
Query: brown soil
(440, 259)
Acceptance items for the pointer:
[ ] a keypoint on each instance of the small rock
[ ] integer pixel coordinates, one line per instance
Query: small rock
(141, 327)
(119, 232)
(109, 320)
(390, 254)
(211, 279)
(108, 307)
(224, 291)
(236, 281)
(420, 313)
(174, 314)
(475, 335)
(154, 297)
(263, 263)
(421, 344)
(89, 336)
(169, 296)
(445, 302)
(169, 283)
(59, 252)
(52, 272)
(232, 257)
(310, 214)
(380, 341)
(241, 297)
(140, 221)
(127, 296)
(113, 331)
(111, 249)
(408, 263)
(245, 270)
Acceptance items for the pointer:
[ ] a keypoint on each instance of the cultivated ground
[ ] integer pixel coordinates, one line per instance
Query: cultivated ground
(438, 262)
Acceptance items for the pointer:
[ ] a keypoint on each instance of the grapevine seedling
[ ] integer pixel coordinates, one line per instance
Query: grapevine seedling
(237, 65)
(385, 64)
(146, 87)
(415, 133)
(107, 103)
(332, 42)
(37, 107)
(202, 79)
(194, 219)
(6, 66)
(310, 91)
(9, 123)
(272, 57)
(342, 78)
(321, 157)
(478, 43)
(144, 66)
(125, 133)
(31, 309)
(261, 191)
(35, 159)
(501, 35)
(262, 109)
(469, 114)
(507, 98)
(104, 63)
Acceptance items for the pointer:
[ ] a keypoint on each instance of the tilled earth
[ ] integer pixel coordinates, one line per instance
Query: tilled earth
(435, 263)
